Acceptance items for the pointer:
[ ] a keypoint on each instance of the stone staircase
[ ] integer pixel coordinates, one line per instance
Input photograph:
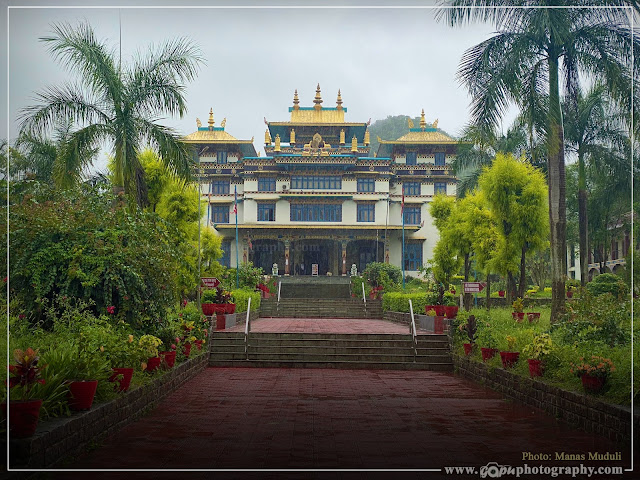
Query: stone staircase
(315, 287)
(320, 308)
(330, 350)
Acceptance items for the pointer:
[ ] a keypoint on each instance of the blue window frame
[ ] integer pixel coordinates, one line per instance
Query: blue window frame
(266, 184)
(316, 182)
(366, 212)
(220, 213)
(366, 185)
(266, 212)
(412, 158)
(440, 159)
(220, 187)
(439, 187)
(412, 188)
(222, 156)
(316, 212)
(412, 215)
(225, 261)
(413, 256)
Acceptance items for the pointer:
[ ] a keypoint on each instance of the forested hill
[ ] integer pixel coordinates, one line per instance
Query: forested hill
(392, 128)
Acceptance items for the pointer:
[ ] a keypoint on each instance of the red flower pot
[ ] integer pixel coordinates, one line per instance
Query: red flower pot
(153, 363)
(122, 376)
(451, 311)
(509, 359)
(592, 384)
(23, 417)
(438, 324)
(467, 348)
(518, 316)
(501, 293)
(169, 358)
(230, 308)
(81, 394)
(569, 294)
(429, 307)
(219, 308)
(488, 353)
(220, 321)
(535, 367)
(533, 316)
(199, 344)
(187, 349)
(208, 309)
(440, 311)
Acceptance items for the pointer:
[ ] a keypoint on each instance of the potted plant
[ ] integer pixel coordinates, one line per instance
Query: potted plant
(470, 329)
(208, 302)
(501, 293)
(24, 410)
(149, 346)
(518, 310)
(593, 372)
(533, 316)
(123, 355)
(450, 307)
(509, 357)
(91, 366)
(485, 337)
(536, 351)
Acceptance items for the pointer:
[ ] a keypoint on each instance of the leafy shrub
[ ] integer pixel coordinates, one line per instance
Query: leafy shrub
(399, 302)
(377, 273)
(241, 298)
(608, 283)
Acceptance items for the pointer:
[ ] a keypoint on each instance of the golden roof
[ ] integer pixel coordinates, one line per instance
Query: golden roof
(424, 136)
(212, 136)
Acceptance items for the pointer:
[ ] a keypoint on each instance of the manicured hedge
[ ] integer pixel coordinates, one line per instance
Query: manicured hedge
(399, 302)
(241, 299)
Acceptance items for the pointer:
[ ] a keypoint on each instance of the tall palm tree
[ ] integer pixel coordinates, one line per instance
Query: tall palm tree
(118, 104)
(594, 133)
(534, 50)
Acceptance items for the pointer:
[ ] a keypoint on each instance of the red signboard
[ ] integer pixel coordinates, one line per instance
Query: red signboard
(473, 287)
(210, 282)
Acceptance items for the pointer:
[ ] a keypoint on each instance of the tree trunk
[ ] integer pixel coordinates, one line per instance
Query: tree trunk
(467, 268)
(488, 291)
(557, 194)
(511, 288)
(521, 285)
(582, 221)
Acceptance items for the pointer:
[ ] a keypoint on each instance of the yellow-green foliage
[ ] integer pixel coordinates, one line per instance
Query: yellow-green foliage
(241, 298)
(399, 302)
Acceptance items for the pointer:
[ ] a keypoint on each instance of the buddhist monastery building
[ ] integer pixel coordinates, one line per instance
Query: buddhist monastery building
(319, 201)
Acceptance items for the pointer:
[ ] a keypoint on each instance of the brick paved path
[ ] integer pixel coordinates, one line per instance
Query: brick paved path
(322, 325)
(324, 418)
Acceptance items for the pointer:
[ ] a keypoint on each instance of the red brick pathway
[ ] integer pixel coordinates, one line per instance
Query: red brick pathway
(324, 418)
(321, 325)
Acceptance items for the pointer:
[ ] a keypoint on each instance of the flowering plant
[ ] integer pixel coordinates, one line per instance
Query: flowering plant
(511, 343)
(25, 373)
(596, 367)
(540, 347)
(518, 305)
(149, 345)
(218, 296)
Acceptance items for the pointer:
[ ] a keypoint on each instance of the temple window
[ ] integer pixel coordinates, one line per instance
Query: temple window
(222, 157)
(316, 182)
(440, 159)
(439, 187)
(220, 187)
(219, 213)
(366, 185)
(266, 212)
(412, 158)
(266, 184)
(316, 212)
(412, 214)
(413, 256)
(366, 212)
(225, 261)
(412, 188)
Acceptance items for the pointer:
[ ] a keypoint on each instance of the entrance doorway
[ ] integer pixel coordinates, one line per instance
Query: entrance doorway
(306, 253)
(267, 252)
(364, 252)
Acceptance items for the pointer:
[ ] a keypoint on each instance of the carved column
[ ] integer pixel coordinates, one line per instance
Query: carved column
(287, 244)
(344, 258)
(245, 251)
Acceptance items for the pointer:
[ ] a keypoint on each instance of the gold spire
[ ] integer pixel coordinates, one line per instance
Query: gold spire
(292, 137)
(318, 99)
(277, 147)
(342, 140)
(295, 100)
(423, 122)
(211, 122)
(339, 101)
(367, 137)
(354, 144)
(267, 137)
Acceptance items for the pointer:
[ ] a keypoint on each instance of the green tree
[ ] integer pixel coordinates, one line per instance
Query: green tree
(117, 103)
(526, 59)
(156, 176)
(516, 193)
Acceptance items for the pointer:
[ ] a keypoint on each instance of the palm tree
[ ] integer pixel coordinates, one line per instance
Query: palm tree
(532, 51)
(594, 133)
(118, 104)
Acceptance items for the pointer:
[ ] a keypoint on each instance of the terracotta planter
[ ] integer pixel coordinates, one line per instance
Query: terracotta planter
(569, 294)
(440, 311)
(121, 376)
(199, 344)
(468, 347)
(230, 308)
(169, 358)
(81, 394)
(501, 293)
(535, 367)
(153, 363)
(438, 325)
(592, 384)
(509, 359)
(533, 316)
(220, 321)
(451, 311)
(208, 309)
(23, 417)
(518, 316)
(488, 353)
(429, 307)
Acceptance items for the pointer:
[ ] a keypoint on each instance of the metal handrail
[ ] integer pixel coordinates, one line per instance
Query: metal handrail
(278, 304)
(247, 328)
(413, 332)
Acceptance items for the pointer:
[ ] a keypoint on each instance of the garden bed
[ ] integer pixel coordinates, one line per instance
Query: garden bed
(59, 438)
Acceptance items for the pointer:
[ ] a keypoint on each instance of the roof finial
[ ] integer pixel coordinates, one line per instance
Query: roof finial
(342, 135)
(318, 99)
(354, 144)
(367, 137)
(211, 122)
(423, 122)
(339, 101)
(295, 100)
(267, 137)
(277, 145)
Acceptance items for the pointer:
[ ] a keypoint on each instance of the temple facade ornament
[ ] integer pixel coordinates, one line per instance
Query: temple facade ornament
(198, 122)
(354, 144)
(292, 137)
(339, 101)
(318, 99)
(277, 146)
(423, 122)
(211, 122)
(267, 137)
(342, 139)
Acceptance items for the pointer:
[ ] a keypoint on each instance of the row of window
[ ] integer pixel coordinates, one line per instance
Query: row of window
(317, 212)
(365, 185)
(412, 159)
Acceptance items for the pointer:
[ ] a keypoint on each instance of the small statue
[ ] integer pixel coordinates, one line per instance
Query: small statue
(435, 124)
(410, 122)
(354, 270)
(224, 122)
(274, 270)
(198, 122)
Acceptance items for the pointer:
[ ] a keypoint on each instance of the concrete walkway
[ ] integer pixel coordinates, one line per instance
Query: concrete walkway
(345, 419)
(323, 325)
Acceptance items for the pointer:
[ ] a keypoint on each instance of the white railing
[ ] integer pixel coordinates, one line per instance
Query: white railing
(247, 328)
(364, 298)
(414, 333)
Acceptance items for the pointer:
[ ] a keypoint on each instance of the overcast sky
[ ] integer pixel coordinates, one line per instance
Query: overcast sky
(385, 61)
